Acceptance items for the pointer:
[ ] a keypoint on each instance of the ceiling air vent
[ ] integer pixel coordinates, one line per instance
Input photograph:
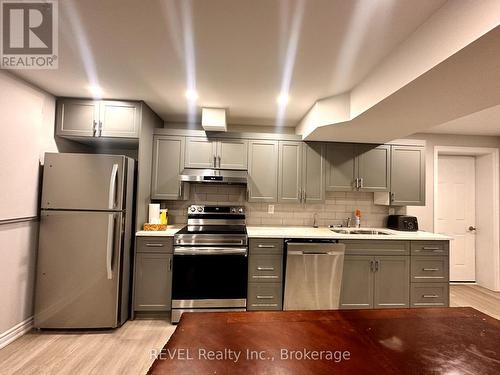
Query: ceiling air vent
(213, 119)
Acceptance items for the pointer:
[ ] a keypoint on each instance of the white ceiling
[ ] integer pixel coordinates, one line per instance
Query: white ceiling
(485, 122)
(238, 55)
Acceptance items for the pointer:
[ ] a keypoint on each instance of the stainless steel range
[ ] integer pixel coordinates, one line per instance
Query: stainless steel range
(210, 261)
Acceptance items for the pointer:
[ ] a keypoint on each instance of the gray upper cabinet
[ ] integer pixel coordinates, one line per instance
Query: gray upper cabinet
(216, 153)
(262, 171)
(313, 172)
(407, 176)
(373, 167)
(392, 282)
(200, 153)
(77, 117)
(119, 119)
(290, 172)
(232, 154)
(341, 169)
(362, 167)
(168, 156)
(357, 282)
(104, 118)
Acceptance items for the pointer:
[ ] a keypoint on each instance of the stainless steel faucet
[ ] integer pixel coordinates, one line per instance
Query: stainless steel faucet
(315, 220)
(348, 222)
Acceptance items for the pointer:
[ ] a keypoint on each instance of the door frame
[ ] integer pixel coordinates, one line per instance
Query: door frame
(494, 199)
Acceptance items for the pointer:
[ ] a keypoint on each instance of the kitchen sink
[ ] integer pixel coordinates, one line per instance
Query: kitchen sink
(360, 231)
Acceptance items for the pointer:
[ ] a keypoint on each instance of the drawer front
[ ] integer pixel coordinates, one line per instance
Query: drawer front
(429, 269)
(430, 248)
(155, 245)
(266, 245)
(265, 296)
(429, 295)
(265, 268)
(376, 247)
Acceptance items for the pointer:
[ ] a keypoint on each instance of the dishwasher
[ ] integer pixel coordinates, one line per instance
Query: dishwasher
(313, 274)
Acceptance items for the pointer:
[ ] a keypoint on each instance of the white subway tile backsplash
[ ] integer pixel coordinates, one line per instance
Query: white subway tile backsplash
(337, 207)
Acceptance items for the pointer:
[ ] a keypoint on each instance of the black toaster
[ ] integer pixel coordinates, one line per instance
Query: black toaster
(402, 222)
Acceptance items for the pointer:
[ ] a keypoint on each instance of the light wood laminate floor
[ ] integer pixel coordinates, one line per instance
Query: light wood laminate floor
(124, 351)
(480, 298)
(127, 350)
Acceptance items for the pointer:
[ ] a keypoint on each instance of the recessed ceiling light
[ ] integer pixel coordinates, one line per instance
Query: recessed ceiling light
(192, 95)
(95, 90)
(283, 99)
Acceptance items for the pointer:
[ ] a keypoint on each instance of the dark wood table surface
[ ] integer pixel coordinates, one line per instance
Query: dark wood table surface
(457, 340)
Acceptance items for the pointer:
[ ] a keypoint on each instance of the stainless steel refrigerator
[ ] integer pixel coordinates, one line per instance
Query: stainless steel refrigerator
(83, 263)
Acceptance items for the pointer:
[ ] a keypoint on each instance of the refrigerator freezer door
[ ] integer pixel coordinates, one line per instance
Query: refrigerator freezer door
(78, 273)
(84, 182)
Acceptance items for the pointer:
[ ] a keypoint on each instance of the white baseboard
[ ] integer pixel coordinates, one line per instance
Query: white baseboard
(15, 332)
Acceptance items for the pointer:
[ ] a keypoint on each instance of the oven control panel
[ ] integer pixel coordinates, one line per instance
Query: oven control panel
(200, 209)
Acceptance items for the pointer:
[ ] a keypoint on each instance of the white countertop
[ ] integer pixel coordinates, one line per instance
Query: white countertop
(169, 232)
(309, 232)
(326, 233)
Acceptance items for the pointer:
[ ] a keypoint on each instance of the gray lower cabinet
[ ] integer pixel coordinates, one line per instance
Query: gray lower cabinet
(313, 172)
(357, 282)
(358, 167)
(375, 282)
(391, 282)
(262, 171)
(98, 118)
(153, 274)
(168, 160)
(290, 172)
(265, 274)
(407, 176)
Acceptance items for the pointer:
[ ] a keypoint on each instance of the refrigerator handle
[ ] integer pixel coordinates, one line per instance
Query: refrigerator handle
(112, 187)
(109, 246)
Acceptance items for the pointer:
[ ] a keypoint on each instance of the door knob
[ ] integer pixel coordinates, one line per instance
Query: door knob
(472, 229)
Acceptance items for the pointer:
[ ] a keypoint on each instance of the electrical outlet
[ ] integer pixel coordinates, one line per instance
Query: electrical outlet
(270, 209)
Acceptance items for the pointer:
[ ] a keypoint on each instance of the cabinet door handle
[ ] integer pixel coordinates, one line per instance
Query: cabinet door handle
(218, 158)
(100, 128)
(377, 265)
(265, 297)
(170, 265)
(430, 248)
(215, 161)
(265, 268)
(94, 128)
(393, 197)
(361, 183)
(154, 245)
(356, 184)
(261, 246)
(372, 269)
(430, 269)
(430, 296)
(180, 189)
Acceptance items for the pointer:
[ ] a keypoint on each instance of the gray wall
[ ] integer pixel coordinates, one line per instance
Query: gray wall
(337, 206)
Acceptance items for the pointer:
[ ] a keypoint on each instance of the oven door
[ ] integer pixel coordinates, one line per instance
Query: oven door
(209, 277)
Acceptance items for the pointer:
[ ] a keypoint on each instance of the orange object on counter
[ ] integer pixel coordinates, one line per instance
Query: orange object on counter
(357, 213)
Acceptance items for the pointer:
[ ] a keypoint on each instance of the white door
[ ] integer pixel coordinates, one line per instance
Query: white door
(456, 212)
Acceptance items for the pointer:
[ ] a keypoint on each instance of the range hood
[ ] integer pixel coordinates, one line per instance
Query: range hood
(221, 176)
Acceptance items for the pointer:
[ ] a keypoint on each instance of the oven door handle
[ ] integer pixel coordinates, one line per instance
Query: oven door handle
(210, 250)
